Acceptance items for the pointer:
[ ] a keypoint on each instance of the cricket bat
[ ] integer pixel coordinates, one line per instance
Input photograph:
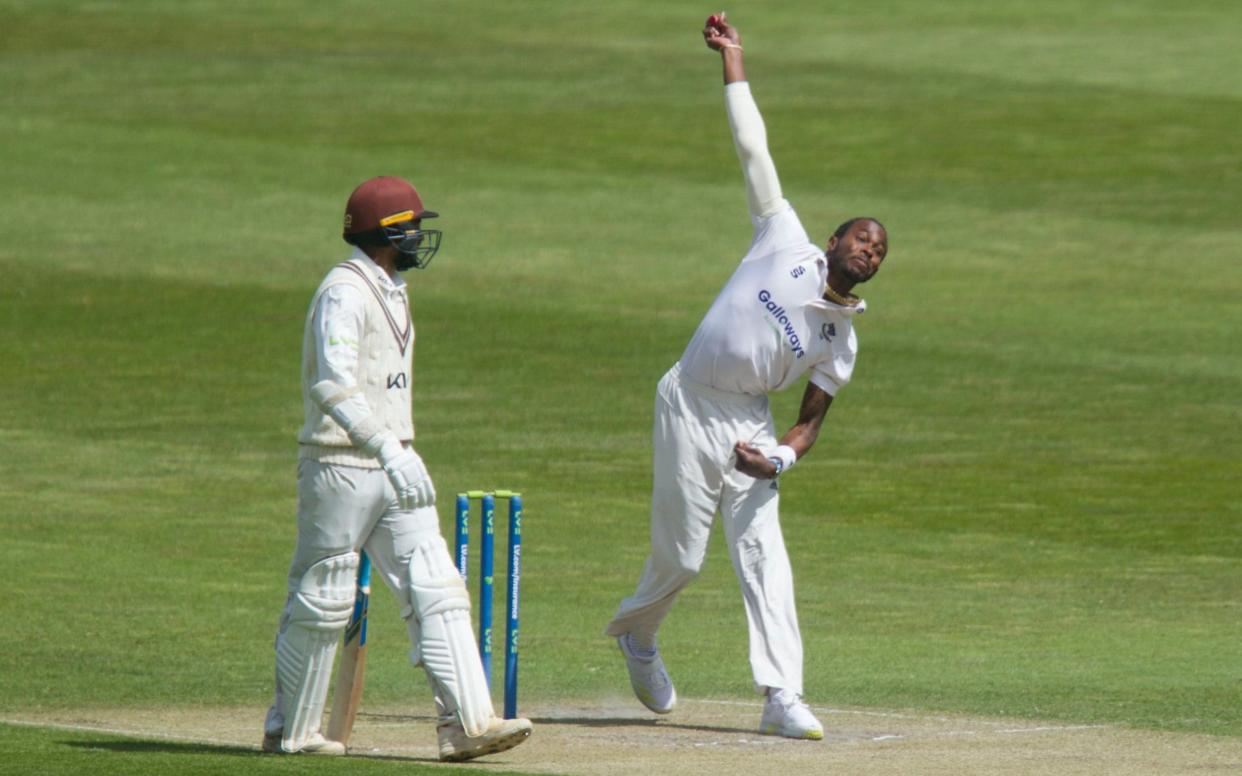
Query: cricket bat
(349, 676)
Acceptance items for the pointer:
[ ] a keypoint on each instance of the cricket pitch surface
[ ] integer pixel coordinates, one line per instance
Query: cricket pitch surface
(617, 736)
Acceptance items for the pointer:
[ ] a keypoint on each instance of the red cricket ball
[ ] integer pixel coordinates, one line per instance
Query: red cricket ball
(713, 21)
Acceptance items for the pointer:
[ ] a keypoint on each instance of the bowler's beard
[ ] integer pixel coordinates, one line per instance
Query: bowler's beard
(857, 277)
(845, 268)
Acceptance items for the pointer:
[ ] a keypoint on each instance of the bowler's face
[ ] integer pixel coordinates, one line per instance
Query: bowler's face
(859, 253)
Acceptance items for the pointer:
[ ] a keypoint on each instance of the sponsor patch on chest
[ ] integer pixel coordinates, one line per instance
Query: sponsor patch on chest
(781, 316)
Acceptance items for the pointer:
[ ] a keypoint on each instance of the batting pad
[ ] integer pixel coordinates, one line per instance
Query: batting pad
(441, 604)
(318, 613)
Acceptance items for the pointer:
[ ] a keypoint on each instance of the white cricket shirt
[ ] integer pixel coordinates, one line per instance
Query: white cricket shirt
(359, 334)
(770, 323)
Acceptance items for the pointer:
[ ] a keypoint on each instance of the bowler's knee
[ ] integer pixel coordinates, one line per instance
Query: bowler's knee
(679, 568)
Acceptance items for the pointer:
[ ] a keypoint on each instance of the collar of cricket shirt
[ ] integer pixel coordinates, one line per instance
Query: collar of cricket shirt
(841, 304)
(377, 272)
(845, 300)
(830, 300)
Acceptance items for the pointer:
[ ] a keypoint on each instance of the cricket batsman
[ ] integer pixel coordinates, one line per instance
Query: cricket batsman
(361, 485)
(787, 310)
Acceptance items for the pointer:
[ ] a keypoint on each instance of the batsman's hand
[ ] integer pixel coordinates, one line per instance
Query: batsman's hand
(718, 33)
(409, 478)
(750, 460)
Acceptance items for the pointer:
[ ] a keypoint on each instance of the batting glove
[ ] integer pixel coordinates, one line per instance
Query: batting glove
(409, 478)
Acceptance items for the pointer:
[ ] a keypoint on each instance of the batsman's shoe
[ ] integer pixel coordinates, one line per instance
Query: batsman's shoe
(784, 714)
(648, 677)
(500, 735)
(316, 744)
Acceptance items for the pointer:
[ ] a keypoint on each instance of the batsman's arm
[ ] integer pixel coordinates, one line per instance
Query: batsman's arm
(337, 324)
(796, 442)
(404, 467)
(763, 186)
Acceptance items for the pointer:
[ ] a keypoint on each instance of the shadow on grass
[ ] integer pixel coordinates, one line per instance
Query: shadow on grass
(601, 722)
(171, 747)
(638, 722)
(192, 748)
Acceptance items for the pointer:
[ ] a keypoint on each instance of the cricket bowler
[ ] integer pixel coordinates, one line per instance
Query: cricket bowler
(361, 485)
(787, 310)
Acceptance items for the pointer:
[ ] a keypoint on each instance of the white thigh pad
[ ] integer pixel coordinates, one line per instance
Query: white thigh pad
(317, 614)
(440, 603)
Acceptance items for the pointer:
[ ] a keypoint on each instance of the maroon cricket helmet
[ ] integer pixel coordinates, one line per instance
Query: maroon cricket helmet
(376, 203)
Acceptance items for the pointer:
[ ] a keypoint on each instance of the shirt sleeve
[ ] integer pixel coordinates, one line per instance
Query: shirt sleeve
(833, 373)
(750, 138)
(338, 323)
(775, 231)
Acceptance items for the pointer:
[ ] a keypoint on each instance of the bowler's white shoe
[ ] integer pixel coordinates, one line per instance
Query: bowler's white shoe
(784, 714)
(648, 677)
(500, 735)
(316, 744)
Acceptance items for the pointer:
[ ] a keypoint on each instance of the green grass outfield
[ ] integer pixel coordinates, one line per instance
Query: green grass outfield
(1026, 504)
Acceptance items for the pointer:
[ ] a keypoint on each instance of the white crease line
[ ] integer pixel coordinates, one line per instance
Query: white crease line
(1053, 728)
(895, 715)
(826, 710)
(747, 741)
(1010, 731)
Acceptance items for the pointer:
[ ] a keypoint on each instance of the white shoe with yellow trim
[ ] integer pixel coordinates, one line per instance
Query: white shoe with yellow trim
(648, 677)
(784, 714)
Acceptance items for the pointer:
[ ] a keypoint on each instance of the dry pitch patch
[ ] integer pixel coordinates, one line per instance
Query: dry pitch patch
(713, 737)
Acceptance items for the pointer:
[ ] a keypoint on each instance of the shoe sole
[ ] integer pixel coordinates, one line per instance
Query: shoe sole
(806, 735)
(272, 746)
(639, 692)
(502, 744)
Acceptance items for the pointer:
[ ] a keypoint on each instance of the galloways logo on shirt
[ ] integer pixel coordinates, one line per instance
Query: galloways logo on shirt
(779, 314)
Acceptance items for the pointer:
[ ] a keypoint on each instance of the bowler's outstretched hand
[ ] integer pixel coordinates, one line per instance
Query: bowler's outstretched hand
(718, 33)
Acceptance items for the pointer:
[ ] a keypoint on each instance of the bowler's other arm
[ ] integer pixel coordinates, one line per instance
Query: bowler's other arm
(799, 439)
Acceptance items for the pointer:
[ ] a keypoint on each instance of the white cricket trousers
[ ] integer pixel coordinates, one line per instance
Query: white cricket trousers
(347, 508)
(344, 508)
(694, 478)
